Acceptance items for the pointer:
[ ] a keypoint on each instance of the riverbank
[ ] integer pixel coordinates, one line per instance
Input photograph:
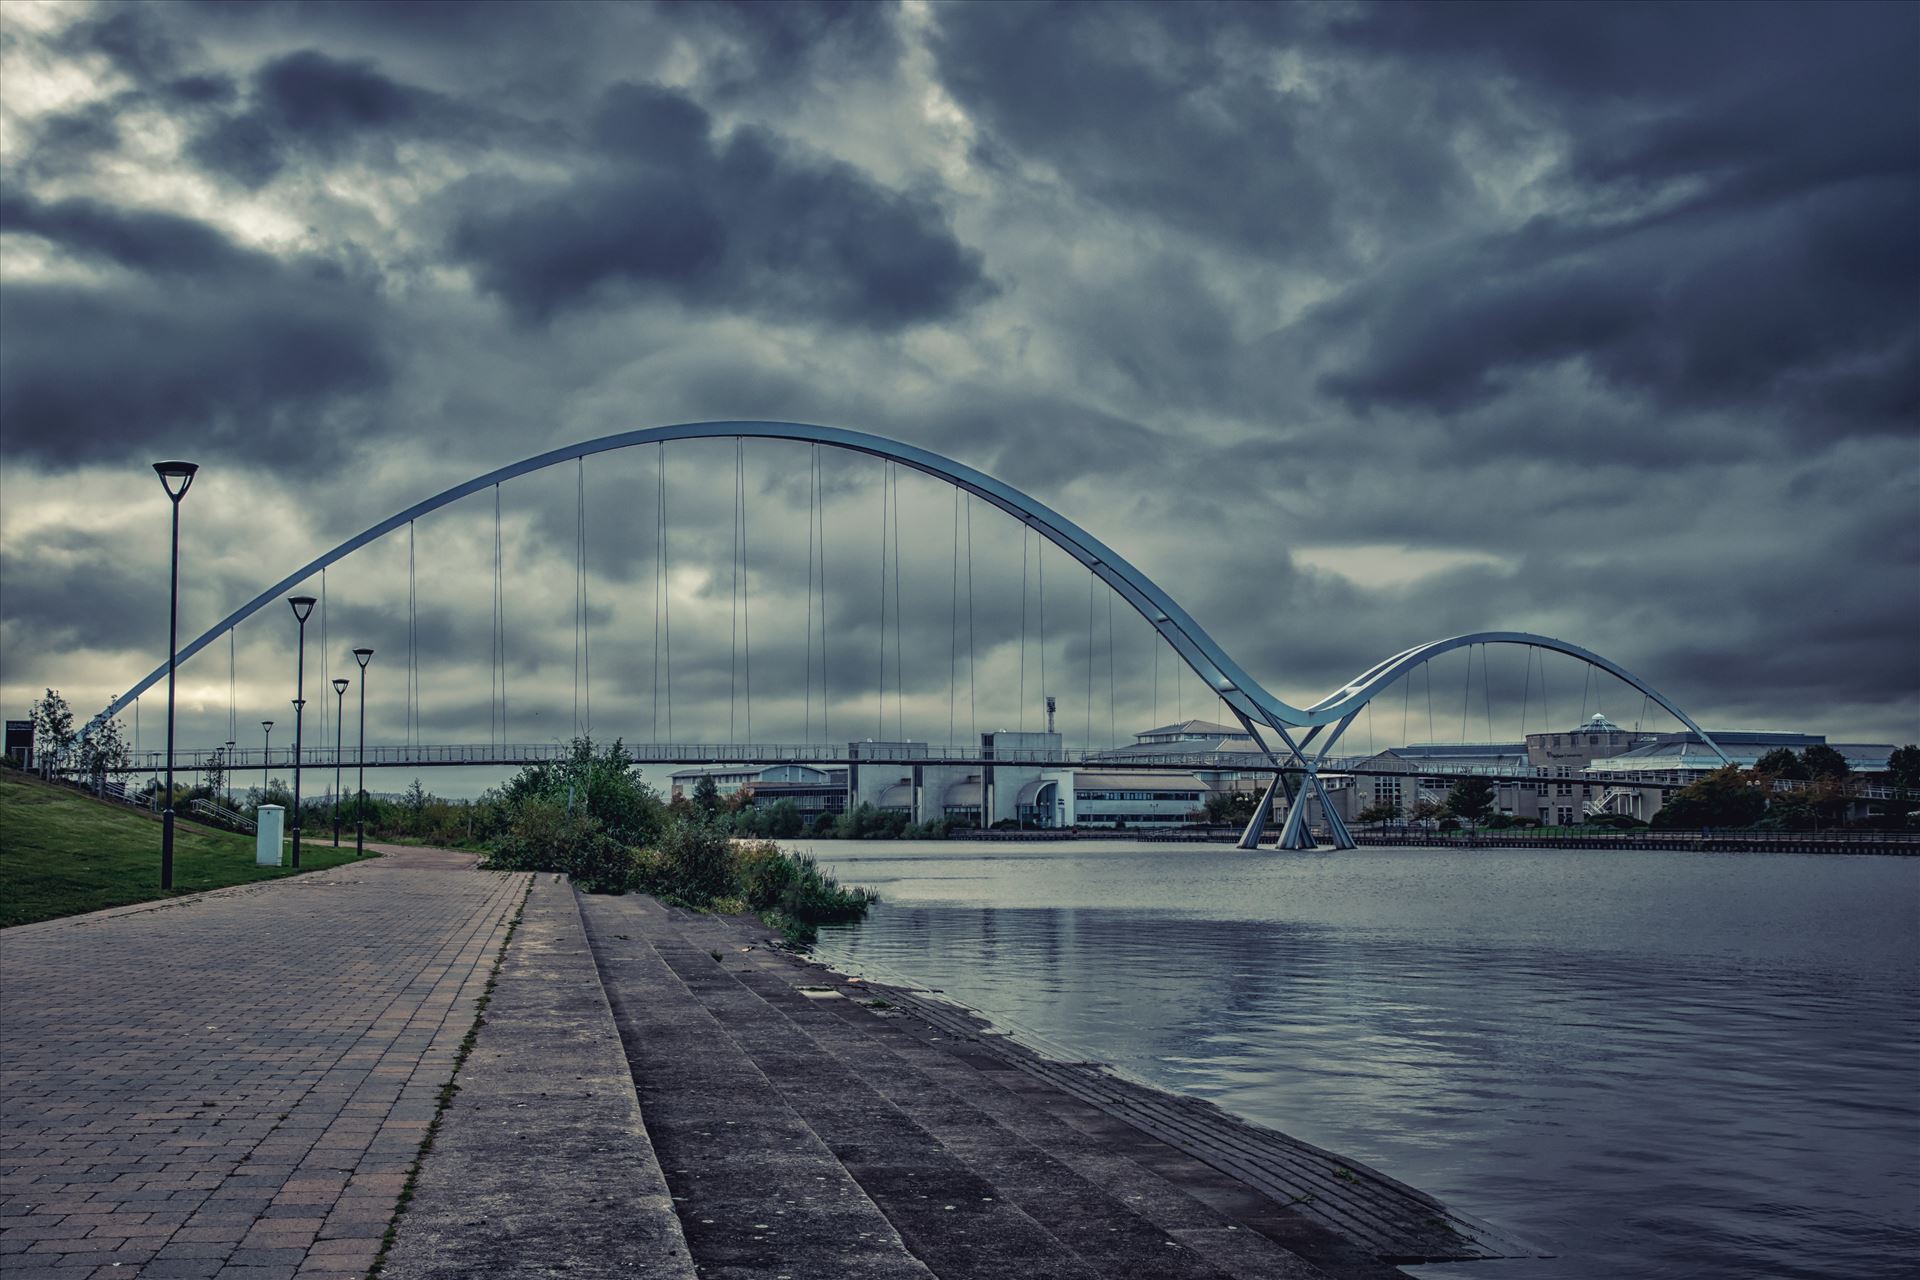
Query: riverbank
(1633, 1059)
(1900, 843)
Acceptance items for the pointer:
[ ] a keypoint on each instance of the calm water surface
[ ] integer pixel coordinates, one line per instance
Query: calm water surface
(1651, 1064)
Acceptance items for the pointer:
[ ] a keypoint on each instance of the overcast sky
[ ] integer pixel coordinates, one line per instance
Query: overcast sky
(1353, 326)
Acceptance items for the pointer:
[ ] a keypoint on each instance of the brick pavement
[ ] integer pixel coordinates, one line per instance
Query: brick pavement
(234, 1084)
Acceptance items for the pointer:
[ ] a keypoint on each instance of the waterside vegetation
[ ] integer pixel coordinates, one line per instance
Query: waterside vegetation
(592, 817)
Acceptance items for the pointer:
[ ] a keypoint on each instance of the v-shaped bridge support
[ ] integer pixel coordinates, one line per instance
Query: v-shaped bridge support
(1294, 832)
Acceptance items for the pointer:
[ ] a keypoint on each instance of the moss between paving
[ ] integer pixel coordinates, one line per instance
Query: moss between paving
(63, 853)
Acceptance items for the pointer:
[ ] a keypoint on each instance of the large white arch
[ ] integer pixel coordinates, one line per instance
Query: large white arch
(1240, 691)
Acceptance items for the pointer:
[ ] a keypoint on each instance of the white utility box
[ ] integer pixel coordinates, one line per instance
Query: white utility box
(266, 847)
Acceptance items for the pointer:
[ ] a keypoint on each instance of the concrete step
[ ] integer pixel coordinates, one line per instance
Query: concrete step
(1051, 1169)
(855, 1079)
(542, 1162)
(757, 1191)
(1340, 1214)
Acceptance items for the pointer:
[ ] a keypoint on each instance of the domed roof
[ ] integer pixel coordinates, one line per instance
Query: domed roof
(1599, 724)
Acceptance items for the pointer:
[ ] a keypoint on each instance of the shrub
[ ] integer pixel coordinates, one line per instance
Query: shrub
(543, 836)
(693, 863)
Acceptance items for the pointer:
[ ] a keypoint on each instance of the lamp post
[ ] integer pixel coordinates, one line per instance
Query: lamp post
(171, 474)
(339, 706)
(362, 656)
(266, 762)
(302, 610)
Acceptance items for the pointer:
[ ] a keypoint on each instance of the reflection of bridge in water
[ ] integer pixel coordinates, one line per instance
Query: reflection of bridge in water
(1294, 743)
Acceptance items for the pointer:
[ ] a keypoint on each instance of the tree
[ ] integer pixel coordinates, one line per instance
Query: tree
(1780, 762)
(706, 795)
(1822, 761)
(53, 733)
(102, 750)
(1904, 765)
(1232, 808)
(1721, 799)
(1379, 811)
(785, 822)
(1425, 810)
(1471, 799)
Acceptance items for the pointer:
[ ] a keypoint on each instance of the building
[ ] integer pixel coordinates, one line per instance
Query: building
(813, 790)
(1201, 741)
(1135, 799)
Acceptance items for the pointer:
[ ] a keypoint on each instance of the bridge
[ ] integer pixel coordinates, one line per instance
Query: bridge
(1292, 742)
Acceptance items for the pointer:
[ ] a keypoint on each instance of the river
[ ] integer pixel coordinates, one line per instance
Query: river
(1650, 1064)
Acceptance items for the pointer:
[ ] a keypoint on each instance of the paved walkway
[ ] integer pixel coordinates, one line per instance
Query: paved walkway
(235, 1084)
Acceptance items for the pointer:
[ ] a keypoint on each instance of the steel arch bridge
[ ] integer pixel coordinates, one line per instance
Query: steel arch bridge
(1306, 734)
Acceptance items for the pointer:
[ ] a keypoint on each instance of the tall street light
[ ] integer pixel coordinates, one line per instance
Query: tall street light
(302, 610)
(175, 477)
(339, 707)
(266, 762)
(362, 656)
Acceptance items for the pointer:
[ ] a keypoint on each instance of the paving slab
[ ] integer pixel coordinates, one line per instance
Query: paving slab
(968, 1193)
(235, 1082)
(541, 1162)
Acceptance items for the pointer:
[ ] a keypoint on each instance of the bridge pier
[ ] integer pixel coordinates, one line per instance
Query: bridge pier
(1257, 824)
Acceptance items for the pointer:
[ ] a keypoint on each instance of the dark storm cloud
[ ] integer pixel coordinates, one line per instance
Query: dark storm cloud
(663, 208)
(193, 334)
(1139, 107)
(308, 104)
(1752, 179)
(1618, 302)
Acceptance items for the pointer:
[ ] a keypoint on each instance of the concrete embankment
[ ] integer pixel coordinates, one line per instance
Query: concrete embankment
(807, 1125)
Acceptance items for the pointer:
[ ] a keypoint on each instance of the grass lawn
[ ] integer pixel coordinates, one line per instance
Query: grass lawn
(62, 853)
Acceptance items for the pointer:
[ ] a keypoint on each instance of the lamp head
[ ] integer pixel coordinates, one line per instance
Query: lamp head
(175, 473)
(266, 724)
(302, 606)
(299, 704)
(340, 685)
(361, 656)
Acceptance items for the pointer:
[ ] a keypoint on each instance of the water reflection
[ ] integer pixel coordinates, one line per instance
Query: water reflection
(1657, 1064)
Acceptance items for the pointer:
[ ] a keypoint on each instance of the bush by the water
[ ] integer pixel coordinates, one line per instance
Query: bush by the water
(592, 817)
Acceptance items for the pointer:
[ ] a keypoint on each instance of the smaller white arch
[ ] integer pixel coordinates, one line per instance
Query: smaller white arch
(1347, 700)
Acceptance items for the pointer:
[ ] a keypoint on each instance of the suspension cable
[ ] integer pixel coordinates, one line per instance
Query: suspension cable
(826, 693)
(1112, 715)
(1526, 691)
(1025, 533)
(659, 553)
(1426, 669)
(1156, 675)
(493, 633)
(325, 673)
(973, 712)
(899, 601)
(1091, 579)
(886, 495)
(806, 714)
(586, 615)
(746, 595)
(233, 722)
(733, 603)
(413, 645)
(662, 601)
(1546, 706)
(953, 624)
(1486, 690)
(1040, 593)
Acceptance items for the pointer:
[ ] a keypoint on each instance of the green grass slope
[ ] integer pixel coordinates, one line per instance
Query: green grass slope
(62, 853)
